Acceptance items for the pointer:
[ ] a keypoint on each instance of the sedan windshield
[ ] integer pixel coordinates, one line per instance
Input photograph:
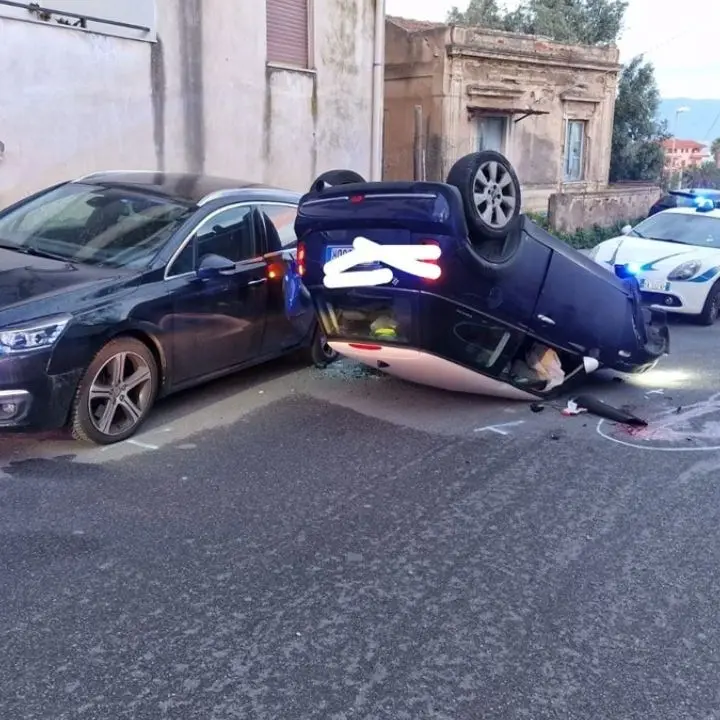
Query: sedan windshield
(686, 228)
(103, 226)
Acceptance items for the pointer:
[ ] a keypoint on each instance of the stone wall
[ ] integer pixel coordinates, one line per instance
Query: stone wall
(567, 212)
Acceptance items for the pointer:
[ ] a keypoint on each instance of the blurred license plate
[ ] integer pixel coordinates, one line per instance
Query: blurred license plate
(334, 251)
(654, 285)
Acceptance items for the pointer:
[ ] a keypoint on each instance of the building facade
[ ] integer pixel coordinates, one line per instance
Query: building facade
(270, 91)
(684, 154)
(548, 107)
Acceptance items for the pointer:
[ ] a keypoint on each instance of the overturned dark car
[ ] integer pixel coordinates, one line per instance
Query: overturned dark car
(449, 285)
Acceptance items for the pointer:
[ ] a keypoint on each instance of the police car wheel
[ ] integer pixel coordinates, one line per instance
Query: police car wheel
(711, 308)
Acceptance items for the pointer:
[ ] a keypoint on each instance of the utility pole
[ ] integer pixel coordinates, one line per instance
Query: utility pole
(680, 110)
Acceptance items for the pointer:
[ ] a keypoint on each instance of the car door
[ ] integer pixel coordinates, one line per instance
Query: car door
(218, 322)
(582, 307)
(290, 313)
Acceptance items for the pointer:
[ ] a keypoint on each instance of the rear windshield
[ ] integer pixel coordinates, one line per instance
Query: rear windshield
(368, 315)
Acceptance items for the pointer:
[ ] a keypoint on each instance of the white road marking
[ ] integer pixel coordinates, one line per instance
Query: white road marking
(146, 446)
(497, 428)
(600, 432)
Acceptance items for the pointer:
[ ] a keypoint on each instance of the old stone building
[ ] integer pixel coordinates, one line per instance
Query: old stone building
(252, 89)
(548, 107)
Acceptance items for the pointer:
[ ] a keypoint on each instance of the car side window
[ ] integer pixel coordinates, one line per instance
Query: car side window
(229, 233)
(280, 219)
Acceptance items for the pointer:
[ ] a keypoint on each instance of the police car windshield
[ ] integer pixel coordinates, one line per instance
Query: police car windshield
(687, 228)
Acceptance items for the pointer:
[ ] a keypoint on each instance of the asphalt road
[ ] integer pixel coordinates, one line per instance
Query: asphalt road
(295, 544)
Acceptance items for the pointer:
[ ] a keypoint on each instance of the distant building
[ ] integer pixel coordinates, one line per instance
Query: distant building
(683, 154)
(548, 107)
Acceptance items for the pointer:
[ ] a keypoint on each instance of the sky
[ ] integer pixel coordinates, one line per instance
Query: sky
(680, 45)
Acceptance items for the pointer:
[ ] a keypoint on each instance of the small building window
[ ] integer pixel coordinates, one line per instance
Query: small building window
(491, 133)
(288, 36)
(574, 150)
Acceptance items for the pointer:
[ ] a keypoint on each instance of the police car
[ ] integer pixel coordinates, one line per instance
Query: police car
(675, 256)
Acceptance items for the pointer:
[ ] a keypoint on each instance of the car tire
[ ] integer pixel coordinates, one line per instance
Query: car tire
(490, 192)
(711, 308)
(331, 178)
(109, 379)
(319, 353)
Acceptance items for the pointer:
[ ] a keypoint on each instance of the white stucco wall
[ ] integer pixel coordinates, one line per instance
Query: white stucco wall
(200, 99)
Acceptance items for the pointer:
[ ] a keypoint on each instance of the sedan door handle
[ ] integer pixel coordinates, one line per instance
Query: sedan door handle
(545, 319)
(257, 282)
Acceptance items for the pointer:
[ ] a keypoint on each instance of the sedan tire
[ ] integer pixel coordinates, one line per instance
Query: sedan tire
(490, 192)
(116, 393)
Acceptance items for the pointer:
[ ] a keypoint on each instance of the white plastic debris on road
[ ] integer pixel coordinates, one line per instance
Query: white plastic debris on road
(573, 408)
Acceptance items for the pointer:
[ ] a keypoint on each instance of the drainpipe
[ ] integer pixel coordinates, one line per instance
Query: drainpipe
(378, 93)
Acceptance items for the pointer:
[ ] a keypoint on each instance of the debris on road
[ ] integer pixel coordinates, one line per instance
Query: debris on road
(537, 407)
(573, 409)
(601, 409)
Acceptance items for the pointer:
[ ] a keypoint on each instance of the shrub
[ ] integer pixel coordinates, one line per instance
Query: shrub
(583, 238)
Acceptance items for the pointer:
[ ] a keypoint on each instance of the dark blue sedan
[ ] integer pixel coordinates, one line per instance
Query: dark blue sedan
(447, 284)
(118, 288)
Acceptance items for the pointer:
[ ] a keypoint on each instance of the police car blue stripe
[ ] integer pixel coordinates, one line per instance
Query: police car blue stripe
(707, 275)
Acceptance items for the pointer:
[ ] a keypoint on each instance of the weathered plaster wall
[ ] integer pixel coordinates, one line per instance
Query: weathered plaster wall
(414, 75)
(200, 99)
(618, 203)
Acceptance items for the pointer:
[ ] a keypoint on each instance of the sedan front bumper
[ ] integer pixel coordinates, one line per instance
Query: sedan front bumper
(32, 399)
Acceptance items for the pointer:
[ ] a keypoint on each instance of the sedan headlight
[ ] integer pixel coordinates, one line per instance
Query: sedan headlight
(685, 271)
(42, 333)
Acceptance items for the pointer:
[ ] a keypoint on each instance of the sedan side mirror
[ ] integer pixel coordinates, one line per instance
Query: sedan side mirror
(627, 229)
(212, 266)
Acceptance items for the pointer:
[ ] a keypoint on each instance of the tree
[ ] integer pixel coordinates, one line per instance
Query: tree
(706, 175)
(584, 22)
(486, 13)
(715, 151)
(637, 152)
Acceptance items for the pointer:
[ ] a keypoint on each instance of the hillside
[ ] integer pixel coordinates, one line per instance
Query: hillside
(702, 123)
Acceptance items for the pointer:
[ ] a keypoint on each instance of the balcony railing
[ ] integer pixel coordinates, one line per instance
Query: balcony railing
(45, 13)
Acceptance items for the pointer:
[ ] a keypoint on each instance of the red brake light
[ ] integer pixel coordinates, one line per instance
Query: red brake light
(356, 198)
(364, 346)
(432, 262)
(301, 258)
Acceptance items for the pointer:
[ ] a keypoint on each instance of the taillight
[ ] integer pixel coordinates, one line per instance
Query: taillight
(355, 199)
(275, 270)
(437, 272)
(301, 258)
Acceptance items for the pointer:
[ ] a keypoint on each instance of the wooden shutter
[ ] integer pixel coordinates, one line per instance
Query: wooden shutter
(287, 32)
